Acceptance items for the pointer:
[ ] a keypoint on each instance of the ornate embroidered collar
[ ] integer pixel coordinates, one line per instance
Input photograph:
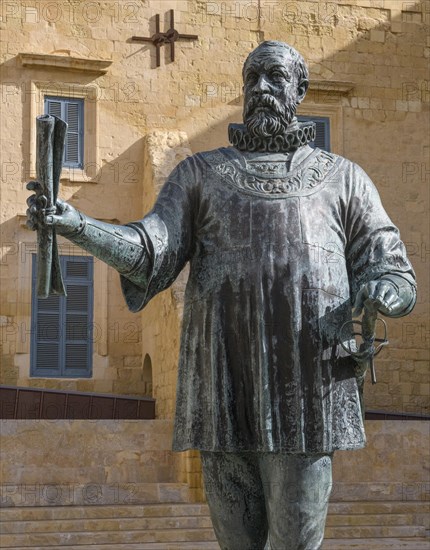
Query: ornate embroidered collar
(298, 134)
(272, 179)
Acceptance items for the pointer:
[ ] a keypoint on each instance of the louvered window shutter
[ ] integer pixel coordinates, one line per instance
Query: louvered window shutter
(53, 107)
(78, 315)
(61, 343)
(322, 131)
(72, 112)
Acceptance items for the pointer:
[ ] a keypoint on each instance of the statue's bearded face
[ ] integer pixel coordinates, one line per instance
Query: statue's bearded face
(270, 92)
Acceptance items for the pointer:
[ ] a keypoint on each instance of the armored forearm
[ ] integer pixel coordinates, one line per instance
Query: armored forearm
(119, 246)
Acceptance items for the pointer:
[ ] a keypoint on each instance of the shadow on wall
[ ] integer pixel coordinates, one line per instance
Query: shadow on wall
(147, 376)
(391, 44)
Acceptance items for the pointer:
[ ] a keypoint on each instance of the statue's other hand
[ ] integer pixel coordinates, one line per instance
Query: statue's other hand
(64, 217)
(383, 294)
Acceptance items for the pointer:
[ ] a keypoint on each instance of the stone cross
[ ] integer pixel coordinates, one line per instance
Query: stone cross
(160, 38)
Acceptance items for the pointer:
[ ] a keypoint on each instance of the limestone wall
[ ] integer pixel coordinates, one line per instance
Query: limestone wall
(116, 458)
(368, 61)
(392, 466)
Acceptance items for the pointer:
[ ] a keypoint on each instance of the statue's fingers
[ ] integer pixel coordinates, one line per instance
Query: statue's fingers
(379, 291)
(31, 225)
(34, 186)
(52, 219)
(42, 201)
(387, 304)
(390, 297)
(397, 304)
(381, 294)
(31, 222)
(32, 213)
(31, 200)
(31, 185)
(61, 206)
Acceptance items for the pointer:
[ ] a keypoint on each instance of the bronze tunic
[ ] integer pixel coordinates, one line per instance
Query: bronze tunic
(276, 257)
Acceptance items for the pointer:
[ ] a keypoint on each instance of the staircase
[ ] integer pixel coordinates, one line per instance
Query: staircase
(113, 485)
(174, 526)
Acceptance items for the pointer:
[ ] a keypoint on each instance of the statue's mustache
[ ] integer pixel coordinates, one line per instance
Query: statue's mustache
(265, 100)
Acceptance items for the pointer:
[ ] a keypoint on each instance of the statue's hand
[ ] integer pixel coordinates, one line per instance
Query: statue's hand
(64, 218)
(382, 294)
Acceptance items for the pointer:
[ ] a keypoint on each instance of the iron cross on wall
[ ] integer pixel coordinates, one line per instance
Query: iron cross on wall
(161, 38)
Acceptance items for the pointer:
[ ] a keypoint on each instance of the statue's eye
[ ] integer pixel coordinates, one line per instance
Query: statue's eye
(277, 75)
(251, 77)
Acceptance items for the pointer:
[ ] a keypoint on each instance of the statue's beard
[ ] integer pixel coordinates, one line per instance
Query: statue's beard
(265, 116)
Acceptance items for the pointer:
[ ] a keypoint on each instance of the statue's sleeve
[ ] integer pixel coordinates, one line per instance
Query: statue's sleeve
(167, 235)
(373, 248)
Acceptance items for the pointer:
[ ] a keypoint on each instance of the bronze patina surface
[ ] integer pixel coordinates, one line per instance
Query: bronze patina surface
(282, 240)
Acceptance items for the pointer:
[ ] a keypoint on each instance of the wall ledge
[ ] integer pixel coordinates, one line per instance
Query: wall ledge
(332, 86)
(67, 63)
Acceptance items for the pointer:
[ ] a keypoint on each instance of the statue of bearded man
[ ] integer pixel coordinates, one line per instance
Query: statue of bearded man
(282, 239)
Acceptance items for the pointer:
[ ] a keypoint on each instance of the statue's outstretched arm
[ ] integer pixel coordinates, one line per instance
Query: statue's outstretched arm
(119, 246)
(148, 254)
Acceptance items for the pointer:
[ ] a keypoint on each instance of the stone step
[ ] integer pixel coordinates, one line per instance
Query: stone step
(345, 520)
(380, 507)
(63, 493)
(178, 522)
(28, 513)
(88, 494)
(177, 526)
(197, 545)
(93, 512)
(350, 527)
(106, 537)
(184, 535)
(353, 544)
(379, 491)
(419, 510)
(102, 524)
(374, 544)
(375, 531)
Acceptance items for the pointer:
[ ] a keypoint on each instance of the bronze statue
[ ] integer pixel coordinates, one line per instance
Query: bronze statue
(282, 239)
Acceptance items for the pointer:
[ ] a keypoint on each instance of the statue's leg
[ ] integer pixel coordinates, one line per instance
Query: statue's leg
(236, 499)
(297, 489)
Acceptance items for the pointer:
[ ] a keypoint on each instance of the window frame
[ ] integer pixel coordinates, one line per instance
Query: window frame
(86, 372)
(90, 173)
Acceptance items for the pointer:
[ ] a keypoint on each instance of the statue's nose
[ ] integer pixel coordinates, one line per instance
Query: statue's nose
(262, 86)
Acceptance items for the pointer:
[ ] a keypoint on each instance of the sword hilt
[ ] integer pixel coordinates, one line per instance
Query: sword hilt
(367, 350)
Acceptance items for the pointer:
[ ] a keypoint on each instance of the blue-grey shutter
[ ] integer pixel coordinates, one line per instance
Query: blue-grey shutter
(72, 112)
(61, 344)
(53, 107)
(45, 355)
(322, 139)
(74, 134)
(78, 330)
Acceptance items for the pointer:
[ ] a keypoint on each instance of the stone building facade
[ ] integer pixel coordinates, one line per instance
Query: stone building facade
(369, 77)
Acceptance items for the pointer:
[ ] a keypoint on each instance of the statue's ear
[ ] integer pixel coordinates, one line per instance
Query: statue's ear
(302, 89)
